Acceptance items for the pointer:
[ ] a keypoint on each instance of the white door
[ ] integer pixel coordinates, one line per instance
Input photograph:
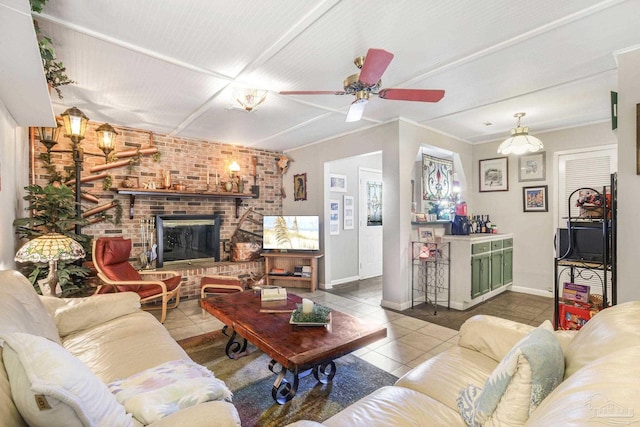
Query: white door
(370, 223)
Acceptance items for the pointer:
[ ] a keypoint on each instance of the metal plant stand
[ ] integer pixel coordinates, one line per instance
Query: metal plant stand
(431, 273)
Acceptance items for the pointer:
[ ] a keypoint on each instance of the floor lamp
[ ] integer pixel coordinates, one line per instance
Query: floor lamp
(75, 125)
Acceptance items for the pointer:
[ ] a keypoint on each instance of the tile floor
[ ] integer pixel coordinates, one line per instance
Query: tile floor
(409, 341)
(516, 306)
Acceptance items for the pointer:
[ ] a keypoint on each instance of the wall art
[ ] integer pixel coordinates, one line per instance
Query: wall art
(494, 174)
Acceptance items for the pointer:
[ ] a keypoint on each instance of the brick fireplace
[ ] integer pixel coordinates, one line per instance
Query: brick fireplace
(189, 162)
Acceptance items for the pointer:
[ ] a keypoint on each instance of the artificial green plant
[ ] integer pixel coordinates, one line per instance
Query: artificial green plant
(53, 210)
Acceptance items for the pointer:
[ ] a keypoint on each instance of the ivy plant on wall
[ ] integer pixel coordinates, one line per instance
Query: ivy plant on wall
(55, 71)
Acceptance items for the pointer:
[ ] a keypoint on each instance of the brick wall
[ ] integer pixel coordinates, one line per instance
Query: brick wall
(188, 161)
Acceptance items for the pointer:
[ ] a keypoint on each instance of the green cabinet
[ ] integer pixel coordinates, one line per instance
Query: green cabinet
(480, 269)
(491, 266)
(497, 273)
(507, 266)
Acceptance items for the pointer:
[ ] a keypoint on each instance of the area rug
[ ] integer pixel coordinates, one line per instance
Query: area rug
(251, 382)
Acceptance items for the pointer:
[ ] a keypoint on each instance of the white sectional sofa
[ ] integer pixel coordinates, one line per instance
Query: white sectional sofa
(600, 383)
(105, 337)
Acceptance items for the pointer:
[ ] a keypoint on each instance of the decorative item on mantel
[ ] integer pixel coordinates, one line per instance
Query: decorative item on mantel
(166, 179)
(234, 168)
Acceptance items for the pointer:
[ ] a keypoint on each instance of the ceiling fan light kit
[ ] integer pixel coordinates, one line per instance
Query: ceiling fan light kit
(520, 141)
(357, 107)
(368, 82)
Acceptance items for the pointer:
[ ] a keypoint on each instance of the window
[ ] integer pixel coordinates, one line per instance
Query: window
(589, 168)
(582, 169)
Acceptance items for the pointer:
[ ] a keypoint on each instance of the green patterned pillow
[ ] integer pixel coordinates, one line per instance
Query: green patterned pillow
(526, 375)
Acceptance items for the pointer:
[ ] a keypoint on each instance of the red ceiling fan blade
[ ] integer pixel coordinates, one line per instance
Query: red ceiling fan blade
(375, 64)
(419, 95)
(313, 92)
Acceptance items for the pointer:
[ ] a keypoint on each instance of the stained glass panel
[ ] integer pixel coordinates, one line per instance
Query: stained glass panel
(374, 203)
(437, 178)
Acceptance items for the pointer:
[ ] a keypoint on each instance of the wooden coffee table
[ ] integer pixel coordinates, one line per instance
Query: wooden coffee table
(300, 350)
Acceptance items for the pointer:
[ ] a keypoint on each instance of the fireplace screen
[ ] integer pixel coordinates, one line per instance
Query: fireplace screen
(188, 238)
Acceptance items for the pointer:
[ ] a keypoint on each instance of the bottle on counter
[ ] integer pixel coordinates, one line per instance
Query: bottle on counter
(483, 225)
(488, 224)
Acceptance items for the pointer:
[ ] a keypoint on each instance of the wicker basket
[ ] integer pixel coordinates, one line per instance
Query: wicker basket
(591, 211)
(596, 300)
(244, 251)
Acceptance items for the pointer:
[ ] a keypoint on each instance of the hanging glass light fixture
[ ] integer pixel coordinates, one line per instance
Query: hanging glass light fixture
(106, 138)
(49, 136)
(250, 99)
(520, 141)
(75, 124)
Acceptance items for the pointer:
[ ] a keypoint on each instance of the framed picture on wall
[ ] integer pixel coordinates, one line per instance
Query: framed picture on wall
(338, 183)
(426, 234)
(349, 212)
(334, 217)
(534, 199)
(494, 174)
(300, 187)
(532, 167)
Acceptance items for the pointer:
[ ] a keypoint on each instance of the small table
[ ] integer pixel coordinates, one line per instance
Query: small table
(300, 350)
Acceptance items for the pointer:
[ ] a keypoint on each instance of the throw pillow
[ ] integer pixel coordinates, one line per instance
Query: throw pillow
(83, 313)
(51, 387)
(157, 392)
(22, 309)
(526, 375)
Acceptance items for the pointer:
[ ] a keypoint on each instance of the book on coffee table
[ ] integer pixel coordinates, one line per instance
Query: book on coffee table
(273, 294)
(277, 306)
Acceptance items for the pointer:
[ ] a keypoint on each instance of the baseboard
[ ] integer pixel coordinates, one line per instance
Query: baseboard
(457, 306)
(395, 306)
(531, 291)
(344, 280)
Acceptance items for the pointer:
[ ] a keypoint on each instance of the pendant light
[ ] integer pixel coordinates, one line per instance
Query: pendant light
(520, 141)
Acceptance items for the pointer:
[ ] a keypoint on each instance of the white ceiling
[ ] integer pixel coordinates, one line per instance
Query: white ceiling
(170, 66)
(21, 76)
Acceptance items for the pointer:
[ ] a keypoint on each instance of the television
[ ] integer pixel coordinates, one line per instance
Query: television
(586, 242)
(291, 232)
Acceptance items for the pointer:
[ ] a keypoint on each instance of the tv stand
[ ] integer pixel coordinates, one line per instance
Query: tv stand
(287, 261)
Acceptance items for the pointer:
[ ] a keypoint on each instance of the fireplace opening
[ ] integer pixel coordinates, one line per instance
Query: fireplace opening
(188, 238)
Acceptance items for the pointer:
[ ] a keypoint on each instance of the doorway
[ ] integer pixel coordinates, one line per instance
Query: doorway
(370, 223)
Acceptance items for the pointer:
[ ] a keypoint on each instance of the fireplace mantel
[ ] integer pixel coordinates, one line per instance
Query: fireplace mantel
(133, 192)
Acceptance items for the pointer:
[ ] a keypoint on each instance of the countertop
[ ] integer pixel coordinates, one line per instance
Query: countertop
(477, 237)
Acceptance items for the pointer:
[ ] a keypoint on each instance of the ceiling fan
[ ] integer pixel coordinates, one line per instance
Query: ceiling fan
(367, 82)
